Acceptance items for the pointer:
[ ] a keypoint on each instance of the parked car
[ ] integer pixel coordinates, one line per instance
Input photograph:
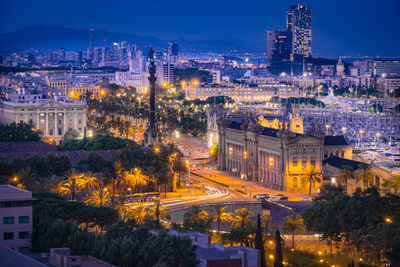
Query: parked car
(284, 198)
(261, 196)
(305, 199)
(275, 198)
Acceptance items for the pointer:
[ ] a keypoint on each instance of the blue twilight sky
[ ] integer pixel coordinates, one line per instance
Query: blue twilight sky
(340, 27)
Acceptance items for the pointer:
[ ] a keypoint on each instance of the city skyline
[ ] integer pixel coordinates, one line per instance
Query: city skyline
(338, 28)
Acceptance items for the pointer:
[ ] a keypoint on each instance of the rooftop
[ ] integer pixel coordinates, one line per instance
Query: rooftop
(335, 140)
(9, 192)
(341, 162)
(10, 257)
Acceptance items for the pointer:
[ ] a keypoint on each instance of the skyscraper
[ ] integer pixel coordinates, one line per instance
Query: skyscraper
(173, 49)
(172, 52)
(299, 22)
(91, 43)
(63, 54)
(271, 38)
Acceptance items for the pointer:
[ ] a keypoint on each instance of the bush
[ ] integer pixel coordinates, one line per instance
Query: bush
(98, 142)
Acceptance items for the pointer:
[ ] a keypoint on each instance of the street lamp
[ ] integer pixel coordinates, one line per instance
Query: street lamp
(188, 167)
(344, 129)
(388, 220)
(327, 128)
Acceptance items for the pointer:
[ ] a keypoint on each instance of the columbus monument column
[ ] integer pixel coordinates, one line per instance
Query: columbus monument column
(152, 137)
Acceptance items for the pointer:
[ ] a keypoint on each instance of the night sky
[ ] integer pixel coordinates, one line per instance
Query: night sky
(340, 27)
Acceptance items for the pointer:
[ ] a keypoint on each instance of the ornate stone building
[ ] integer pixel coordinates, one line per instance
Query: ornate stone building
(52, 116)
(277, 158)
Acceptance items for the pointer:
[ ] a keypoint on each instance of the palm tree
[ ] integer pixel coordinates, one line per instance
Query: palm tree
(72, 185)
(292, 224)
(53, 184)
(194, 214)
(266, 221)
(311, 178)
(28, 178)
(159, 212)
(345, 175)
(220, 215)
(139, 213)
(394, 182)
(240, 218)
(89, 180)
(135, 178)
(121, 207)
(116, 177)
(365, 175)
(98, 197)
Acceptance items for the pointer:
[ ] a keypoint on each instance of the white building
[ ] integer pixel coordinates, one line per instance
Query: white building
(263, 92)
(52, 116)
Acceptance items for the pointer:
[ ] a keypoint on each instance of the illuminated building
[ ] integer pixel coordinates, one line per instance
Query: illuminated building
(52, 116)
(277, 158)
(299, 22)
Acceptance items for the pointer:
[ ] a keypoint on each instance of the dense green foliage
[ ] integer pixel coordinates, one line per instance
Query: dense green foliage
(49, 207)
(39, 166)
(98, 142)
(190, 74)
(126, 115)
(56, 225)
(18, 132)
(278, 262)
(366, 224)
(259, 242)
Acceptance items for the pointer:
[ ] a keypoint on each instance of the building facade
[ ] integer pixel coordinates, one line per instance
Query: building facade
(299, 22)
(52, 116)
(16, 217)
(277, 158)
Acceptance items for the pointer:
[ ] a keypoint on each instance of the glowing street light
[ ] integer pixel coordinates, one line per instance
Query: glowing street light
(164, 84)
(344, 129)
(157, 150)
(102, 92)
(388, 220)
(195, 83)
(327, 126)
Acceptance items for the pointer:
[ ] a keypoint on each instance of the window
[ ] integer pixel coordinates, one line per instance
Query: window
(294, 182)
(342, 154)
(8, 220)
(313, 162)
(8, 236)
(23, 250)
(295, 162)
(304, 163)
(23, 235)
(23, 219)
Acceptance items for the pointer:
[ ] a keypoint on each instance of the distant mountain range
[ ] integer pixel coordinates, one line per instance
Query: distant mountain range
(46, 38)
